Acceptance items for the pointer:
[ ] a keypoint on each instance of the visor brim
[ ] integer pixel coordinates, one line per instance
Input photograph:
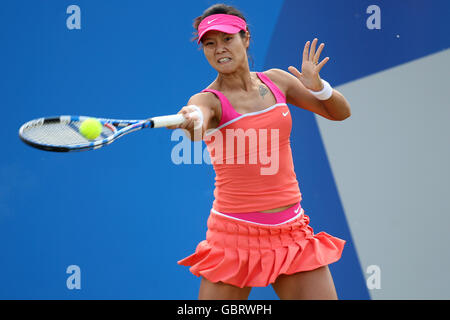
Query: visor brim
(220, 27)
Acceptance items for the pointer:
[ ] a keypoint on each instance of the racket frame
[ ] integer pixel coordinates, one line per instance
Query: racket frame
(119, 128)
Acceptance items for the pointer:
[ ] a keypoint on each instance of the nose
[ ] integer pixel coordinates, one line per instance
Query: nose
(220, 47)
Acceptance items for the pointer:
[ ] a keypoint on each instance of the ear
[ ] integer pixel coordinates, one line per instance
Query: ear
(247, 39)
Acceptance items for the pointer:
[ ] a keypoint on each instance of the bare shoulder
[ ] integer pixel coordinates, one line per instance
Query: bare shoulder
(210, 106)
(281, 78)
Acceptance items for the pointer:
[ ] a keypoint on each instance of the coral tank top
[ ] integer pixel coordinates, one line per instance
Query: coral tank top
(252, 157)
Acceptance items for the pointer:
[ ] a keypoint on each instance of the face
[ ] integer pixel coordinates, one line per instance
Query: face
(225, 52)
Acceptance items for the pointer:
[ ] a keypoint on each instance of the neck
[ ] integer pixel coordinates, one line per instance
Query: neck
(240, 79)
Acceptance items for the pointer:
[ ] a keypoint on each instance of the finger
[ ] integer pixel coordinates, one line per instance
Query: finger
(305, 51)
(319, 51)
(187, 118)
(186, 112)
(322, 63)
(174, 126)
(193, 116)
(189, 112)
(177, 126)
(295, 72)
(186, 124)
(186, 109)
(193, 112)
(313, 50)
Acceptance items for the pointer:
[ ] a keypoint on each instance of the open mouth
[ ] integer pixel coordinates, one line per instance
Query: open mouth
(224, 60)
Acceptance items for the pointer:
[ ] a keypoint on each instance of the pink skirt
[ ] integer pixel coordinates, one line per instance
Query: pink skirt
(246, 254)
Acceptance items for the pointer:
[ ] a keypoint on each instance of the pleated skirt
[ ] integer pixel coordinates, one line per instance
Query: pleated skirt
(246, 254)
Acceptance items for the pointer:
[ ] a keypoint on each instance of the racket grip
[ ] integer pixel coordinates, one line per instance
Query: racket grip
(164, 121)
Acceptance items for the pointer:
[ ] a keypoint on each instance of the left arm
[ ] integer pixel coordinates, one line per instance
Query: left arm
(337, 106)
(296, 86)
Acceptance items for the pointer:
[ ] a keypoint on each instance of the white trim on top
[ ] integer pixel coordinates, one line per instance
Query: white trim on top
(245, 115)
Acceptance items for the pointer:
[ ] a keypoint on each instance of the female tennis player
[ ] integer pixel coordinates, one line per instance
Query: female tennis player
(258, 234)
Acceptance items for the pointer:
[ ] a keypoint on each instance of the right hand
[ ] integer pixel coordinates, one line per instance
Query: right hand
(191, 116)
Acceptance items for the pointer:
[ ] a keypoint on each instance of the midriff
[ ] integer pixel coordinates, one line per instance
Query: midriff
(278, 209)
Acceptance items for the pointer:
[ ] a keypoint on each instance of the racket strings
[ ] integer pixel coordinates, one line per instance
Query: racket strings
(61, 133)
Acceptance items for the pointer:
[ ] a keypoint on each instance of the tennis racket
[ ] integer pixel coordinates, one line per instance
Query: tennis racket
(61, 134)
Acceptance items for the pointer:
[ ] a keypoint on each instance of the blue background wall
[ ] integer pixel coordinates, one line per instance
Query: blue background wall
(126, 213)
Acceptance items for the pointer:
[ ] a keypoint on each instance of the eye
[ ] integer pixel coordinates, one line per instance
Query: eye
(228, 38)
(208, 43)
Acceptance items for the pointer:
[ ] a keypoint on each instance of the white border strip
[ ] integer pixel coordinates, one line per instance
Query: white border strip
(245, 115)
(261, 224)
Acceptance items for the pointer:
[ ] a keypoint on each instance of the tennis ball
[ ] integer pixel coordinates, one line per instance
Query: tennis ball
(91, 128)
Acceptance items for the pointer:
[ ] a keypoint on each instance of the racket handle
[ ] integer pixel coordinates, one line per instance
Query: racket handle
(164, 121)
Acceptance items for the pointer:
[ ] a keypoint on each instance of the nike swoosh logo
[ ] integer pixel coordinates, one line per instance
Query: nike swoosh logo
(285, 114)
(297, 210)
(211, 21)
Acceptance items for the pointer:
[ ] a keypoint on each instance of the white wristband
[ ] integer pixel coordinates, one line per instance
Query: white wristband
(197, 123)
(325, 93)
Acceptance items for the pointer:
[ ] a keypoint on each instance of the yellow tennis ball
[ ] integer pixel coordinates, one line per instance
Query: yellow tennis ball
(91, 128)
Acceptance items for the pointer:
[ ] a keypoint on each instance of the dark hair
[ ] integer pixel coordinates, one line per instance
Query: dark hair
(218, 8)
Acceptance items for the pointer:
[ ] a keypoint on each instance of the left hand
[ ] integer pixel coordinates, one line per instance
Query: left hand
(310, 67)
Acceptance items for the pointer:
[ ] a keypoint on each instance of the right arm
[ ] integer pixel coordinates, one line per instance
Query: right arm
(210, 108)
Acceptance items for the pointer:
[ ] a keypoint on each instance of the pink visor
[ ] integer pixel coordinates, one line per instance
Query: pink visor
(221, 22)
